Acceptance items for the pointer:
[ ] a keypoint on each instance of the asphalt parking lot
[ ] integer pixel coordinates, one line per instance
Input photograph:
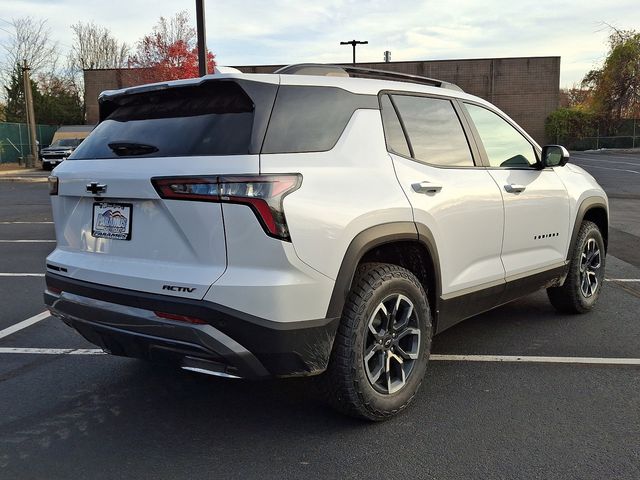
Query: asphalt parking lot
(67, 411)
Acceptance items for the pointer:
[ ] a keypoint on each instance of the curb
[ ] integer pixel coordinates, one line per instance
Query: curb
(24, 179)
(18, 171)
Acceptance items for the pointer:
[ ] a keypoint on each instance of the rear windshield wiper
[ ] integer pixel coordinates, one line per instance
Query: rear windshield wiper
(126, 149)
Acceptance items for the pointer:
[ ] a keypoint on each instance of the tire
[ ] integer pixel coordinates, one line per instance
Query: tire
(348, 384)
(575, 296)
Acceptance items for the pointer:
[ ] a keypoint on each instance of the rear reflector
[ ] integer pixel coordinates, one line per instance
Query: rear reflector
(262, 193)
(180, 318)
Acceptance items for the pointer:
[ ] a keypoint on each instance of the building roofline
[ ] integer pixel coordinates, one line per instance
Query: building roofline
(484, 59)
(400, 62)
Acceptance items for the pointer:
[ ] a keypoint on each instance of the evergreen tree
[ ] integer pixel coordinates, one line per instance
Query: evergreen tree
(55, 101)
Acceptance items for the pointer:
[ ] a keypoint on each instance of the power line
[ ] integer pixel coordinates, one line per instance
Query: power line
(7, 31)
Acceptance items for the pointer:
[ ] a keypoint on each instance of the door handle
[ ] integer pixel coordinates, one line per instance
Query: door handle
(426, 187)
(514, 188)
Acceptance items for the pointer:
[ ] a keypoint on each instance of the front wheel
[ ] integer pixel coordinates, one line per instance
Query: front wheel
(382, 346)
(582, 286)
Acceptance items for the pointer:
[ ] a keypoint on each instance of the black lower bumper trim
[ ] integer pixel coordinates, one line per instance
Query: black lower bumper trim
(283, 348)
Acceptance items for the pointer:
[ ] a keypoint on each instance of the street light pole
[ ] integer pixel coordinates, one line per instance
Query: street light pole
(353, 43)
(202, 38)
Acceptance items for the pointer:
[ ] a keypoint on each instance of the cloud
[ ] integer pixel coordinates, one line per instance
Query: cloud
(286, 31)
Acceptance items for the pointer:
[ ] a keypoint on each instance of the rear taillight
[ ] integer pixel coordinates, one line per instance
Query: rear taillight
(53, 185)
(262, 193)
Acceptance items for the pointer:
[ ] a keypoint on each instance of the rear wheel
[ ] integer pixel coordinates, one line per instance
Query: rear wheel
(582, 286)
(382, 346)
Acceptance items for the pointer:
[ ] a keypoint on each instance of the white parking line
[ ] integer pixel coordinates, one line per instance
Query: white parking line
(21, 274)
(437, 358)
(607, 161)
(608, 168)
(531, 359)
(27, 241)
(53, 351)
(25, 223)
(23, 324)
(622, 279)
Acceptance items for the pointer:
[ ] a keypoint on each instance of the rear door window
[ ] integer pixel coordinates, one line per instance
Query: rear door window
(393, 132)
(213, 118)
(434, 130)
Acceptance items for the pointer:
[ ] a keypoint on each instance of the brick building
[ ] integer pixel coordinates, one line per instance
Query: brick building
(526, 88)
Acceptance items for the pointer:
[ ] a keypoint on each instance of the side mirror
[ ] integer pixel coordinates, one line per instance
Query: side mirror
(554, 156)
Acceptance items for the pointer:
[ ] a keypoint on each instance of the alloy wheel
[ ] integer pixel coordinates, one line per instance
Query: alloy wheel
(392, 344)
(590, 263)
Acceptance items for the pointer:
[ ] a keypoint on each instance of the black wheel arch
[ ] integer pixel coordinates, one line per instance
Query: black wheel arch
(372, 240)
(595, 210)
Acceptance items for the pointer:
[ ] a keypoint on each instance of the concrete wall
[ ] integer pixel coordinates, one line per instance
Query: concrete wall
(526, 88)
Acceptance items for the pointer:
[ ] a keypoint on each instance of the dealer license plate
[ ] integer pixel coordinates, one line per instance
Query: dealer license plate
(111, 220)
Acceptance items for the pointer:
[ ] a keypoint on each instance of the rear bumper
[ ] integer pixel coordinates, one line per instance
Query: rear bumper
(52, 163)
(231, 343)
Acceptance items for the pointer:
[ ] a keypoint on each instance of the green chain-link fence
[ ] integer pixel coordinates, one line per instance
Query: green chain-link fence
(626, 136)
(14, 140)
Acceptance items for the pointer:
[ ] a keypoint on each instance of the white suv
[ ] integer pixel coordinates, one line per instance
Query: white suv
(320, 219)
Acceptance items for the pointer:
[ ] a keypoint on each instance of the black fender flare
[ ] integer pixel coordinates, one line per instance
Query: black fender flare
(373, 237)
(587, 204)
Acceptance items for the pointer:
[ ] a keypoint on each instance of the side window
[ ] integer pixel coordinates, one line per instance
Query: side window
(505, 146)
(434, 130)
(393, 134)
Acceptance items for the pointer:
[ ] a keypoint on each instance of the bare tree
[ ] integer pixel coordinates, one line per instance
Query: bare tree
(93, 47)
(96, 47)
(31, 41)
(177, 28)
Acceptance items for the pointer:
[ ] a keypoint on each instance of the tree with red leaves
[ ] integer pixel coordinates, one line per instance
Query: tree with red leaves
(170, 52)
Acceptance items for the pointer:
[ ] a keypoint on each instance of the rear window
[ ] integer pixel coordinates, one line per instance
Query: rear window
(311, 119)
(67, 142)
(213, 118)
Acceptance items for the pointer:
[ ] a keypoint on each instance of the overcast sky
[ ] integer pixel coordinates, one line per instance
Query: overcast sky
(250, 32)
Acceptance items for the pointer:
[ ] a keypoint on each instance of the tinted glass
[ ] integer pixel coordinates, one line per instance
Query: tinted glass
(215, 118)
(505, 146)
(311, 119)
(393, 134)
(67, 142)
(434, 131)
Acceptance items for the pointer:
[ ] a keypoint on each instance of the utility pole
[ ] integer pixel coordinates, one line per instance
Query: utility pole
(202, 38)
(353, 43)
(31, 117)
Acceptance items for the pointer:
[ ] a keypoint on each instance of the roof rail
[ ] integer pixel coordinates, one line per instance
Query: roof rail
(359, 72)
